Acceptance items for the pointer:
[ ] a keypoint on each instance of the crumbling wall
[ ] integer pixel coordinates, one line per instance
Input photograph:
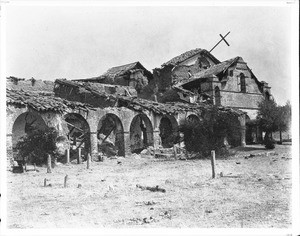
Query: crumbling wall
(81, 95)
(138, 80)
(30, 85)
(113, 89)
(163, 78)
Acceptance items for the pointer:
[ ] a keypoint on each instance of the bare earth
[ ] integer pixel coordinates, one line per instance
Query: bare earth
(253, 192)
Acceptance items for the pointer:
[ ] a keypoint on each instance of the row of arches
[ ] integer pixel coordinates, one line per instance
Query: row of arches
(110, 130)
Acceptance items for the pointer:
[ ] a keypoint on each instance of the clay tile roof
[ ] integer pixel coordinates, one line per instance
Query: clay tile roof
(211, 71)
(42, 101)
(120, 70)
(140, 105)
(182, 57)
(216, 69)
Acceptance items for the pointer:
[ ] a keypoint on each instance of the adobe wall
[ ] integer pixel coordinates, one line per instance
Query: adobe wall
(240, 100)
(163, 78)
(27, 85)
(234, 82)
(191, 66)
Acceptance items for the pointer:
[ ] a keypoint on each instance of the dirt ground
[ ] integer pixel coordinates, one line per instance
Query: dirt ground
(255, 191)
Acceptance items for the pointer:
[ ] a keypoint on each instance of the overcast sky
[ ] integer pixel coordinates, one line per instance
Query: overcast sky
(79, 42)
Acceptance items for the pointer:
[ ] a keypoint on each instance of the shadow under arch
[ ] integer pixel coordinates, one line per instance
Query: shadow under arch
(141, 133)
(110, 128)
(79, 133)
(25, 124)
(168, 131)
(217, 96)
(193, 118)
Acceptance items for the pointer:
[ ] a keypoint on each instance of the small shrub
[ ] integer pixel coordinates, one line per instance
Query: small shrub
(36, 145)
(269, 144)
(211, 133)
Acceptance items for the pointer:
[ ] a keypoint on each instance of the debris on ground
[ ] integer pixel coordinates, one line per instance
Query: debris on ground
(208, 211)
(165, 214)
(147, 203)
(106, 146)
(152, 189)
(230, 175)
(135, 156)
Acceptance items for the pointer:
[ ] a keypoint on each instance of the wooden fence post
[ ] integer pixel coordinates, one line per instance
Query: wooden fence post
(49, 164)
(68, 155)
(213, 163)
(65, 181)
(175, 151)
(79, 160)
(45, 182)
(88, 159)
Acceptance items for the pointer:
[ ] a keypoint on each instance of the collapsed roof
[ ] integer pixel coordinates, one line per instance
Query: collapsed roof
(211, 71)
(118, 71)
(139, 104)
(42, 101)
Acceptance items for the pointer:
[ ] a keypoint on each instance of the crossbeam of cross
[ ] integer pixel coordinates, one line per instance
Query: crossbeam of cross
(222, 39)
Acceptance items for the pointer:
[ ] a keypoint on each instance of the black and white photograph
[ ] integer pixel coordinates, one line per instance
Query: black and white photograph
(150, 118)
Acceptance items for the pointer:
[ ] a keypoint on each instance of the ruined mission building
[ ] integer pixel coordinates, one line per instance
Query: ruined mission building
(132, 107)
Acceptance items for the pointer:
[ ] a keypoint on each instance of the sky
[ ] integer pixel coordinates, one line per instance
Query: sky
(50, 42)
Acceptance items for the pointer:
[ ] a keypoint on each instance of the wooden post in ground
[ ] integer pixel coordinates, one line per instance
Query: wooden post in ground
(67, 155)
(45, 182)
(79, 160)
(49, 164)
(65, 181)
(88, 159)
(175, 151)
(213, 163)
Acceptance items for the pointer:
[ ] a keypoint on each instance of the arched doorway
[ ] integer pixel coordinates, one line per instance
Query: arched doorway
(267, 95)
(25, 124)
(249, 127)
(141, 133)
(193, 118)
(217, 96)
(111, 135)
(79, 133)
(168, 131)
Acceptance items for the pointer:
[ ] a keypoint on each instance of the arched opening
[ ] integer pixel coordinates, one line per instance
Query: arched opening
(141, 133)
(79, 134)
(217, 96)
(267, 95)
(193, 118)
(110, 135)
(249, 130)
(168, 131)
(25, 124)
(234, 135)
(243, 83)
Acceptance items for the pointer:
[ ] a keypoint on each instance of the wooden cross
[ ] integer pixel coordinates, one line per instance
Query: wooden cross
(222, 39)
